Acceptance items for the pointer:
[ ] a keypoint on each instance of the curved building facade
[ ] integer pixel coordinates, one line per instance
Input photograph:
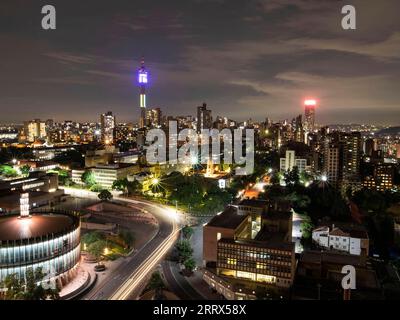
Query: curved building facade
(47, 240)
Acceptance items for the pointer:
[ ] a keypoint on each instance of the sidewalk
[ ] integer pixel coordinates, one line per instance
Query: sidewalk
(197, 282)
(84, 279)
(187, 288)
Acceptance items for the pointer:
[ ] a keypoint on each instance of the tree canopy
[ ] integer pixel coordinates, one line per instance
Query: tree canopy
(105, 195)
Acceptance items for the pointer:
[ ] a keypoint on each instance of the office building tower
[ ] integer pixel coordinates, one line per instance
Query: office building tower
(309, 113)
(107, 121)
(204, 118)
(35, 129)
(153, 117)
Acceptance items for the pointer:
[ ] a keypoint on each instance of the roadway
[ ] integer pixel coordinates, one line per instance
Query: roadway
(140, 267)
(129, 278)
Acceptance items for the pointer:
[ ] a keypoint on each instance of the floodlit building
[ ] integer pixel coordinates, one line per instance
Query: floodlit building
(382, 178)
(290, 161)
(34, 129)
(107, 121)
(32, 240)
(153, 117)
(105, 175)
(309, 114)
(351, 240)
(249, 246)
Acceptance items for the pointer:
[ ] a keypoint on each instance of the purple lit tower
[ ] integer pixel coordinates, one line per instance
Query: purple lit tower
(142, 80)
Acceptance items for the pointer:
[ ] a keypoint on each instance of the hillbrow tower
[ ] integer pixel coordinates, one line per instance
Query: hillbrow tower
(142, 81)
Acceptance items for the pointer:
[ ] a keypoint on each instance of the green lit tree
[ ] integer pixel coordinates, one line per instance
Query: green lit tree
(306, 227)
(25, 169)
(8, 171)
(187, 232)
(105, 195)
(33, 287)
(189, 264)
(292, 177)
(88, 178)
(14, 286)
(156, 283)
(96, 249)
(133, 187)
(120, 185)
(128, 237)
(184, 249)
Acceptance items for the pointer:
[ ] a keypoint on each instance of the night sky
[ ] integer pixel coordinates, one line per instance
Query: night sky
(245, 58)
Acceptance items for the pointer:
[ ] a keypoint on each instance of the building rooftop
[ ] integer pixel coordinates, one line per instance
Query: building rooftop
(277, 215)
(12, 199)
(275, 242)
(254, 203)
(228, 219)
(314, 256)
(345, 230)
(115, 166)
(13, 228)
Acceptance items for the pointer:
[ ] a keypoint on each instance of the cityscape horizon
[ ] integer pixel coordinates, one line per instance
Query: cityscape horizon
(200, 158)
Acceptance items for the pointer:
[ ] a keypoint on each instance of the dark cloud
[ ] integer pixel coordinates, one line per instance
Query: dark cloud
(246, 58)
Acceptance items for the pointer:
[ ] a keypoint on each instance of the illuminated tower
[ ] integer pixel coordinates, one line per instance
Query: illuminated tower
(309, 112)
(142, 80)
(107, 121)
(24, 205)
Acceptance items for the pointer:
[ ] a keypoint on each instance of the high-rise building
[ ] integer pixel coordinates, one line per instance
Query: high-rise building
(142, 81)
(124, 132)
(249, 246)
(342, 156)
(34, 129)
(350, 156)
(309, 113)
(331, 162)
(49, 124)
(153, 117)
(107, 121)
(382, 178)
(290, 161)
(370, 146)
(204, 118)
(298, 129)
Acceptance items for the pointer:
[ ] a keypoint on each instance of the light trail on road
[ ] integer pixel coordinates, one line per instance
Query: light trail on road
(130, 277)
(140, 274)
(143, 271)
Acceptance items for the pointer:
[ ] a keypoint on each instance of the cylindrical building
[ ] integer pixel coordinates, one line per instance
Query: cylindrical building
(47, 240)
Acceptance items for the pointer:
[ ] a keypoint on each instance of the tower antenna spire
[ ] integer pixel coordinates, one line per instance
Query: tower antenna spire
(142, 81)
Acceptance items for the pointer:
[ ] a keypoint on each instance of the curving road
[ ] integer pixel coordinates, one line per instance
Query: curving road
(128, 279)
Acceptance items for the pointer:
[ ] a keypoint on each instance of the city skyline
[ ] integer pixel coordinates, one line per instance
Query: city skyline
(252, 59)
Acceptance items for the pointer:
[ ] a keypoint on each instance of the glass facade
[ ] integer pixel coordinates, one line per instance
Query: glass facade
(254, 263)
(55, 253)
